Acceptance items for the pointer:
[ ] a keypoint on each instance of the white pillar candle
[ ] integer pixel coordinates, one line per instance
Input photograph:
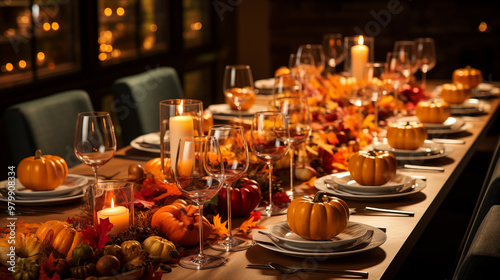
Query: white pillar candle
(359, 58)
(179, 126)
(118, 216)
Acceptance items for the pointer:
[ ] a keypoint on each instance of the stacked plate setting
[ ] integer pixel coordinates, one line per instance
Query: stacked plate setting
(429, 150)
(71, 190)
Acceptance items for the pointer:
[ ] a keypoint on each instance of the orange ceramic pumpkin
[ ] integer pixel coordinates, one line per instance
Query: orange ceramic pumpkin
(42, 172)
(179, 223)
(455, 93)
(467, 76)
(61, 235)
(406, 136)
(433, 111)
(372, 168)
(318, 218)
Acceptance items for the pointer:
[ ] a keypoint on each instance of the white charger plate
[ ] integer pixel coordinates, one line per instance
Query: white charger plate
(294, 242)
(379, 238)
(73, 184)
(150, 138)
(450, 123)
(45, 201)
(398, 181)
(428, 148)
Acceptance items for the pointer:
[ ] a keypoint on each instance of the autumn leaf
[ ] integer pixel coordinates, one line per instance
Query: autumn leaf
(98, 237)
(248, 224)
(256, 215)
(311, 181)
(218, 228)
(48, 267)
(152, 275)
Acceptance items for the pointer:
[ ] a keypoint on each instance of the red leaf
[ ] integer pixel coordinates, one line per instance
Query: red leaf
(5, 273)
(103, 228)
(256, 215)
(70, 220)
(152, 275)
(48, 267)
(141, 203)
(90, 237)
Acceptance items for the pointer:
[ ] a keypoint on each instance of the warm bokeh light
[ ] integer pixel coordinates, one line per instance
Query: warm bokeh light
(108, 12)
(108, 34)
(46, 26)
(55, 25)
(153, 27)
(483, 27)
(40, 56)
(103, 56)
(109, 48)
(116, 53)
(51, 65)
(196, 25)
(120, 11)
(9, 67)
(22, 64)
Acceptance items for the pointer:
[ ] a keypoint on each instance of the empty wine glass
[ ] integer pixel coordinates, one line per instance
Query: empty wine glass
(236, 160)
(298, 117)
(302, 64)
(286, 85)
(317, 53)
(238, 85)
(334, 51)
(95, 141)
(409, 47)
(375, 76)
(426, 56)
(198, 173)
(269, 140)
(397, 72)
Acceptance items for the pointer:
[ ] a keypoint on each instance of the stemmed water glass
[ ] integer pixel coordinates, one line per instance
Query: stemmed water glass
(296, 111)
(409, 47)
(198, 173)
(375, 72)
(286, 85)
(269, 141)
(398, 71)
(238, 85)
(334, 51)
(426, 56)
(95, 141)
(317, 53)
(235, 157)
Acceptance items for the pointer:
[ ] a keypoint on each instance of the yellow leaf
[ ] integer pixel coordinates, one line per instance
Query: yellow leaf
(219, 228)
(248, 224)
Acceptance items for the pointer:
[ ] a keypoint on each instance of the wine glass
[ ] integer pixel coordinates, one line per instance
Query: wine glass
(426, 56)
(238, 85)
(317, 53)
(269, 141)
(236, 160)
(334, 51)
(198, 173)
(375, 72)
(409, 47)
(397, 72)
(302, 64)
(296, 111)
(95, 141)
(286, 85)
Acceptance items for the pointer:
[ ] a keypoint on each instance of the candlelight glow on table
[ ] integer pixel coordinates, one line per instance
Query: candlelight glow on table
(359, 55)
(118, 216)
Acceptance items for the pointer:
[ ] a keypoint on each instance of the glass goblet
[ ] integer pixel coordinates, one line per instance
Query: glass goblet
(235, 157)
(286, 85)
(334, 51)
(317, 53)
(198, 173)
(238, 85)
(426, 56)
(397, 72)
(95, 140)
(409, 47)
(269, 141)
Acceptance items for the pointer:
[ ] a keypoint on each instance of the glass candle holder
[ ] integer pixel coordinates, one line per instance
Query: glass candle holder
(358, 50)
(178, 118)
(113, 200)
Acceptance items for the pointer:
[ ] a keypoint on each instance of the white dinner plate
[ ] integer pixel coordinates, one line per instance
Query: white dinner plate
(379, 237)
(450, 123)
(438, 132)
(148, 143)
(469, 107)
(225, 109)
(482, 91)
(73, 184)
(427, 149)
(293, 241)
(45, 201)
(320, 184)
(397, 182)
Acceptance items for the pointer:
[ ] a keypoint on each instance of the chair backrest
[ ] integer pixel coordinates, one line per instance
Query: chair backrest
(137, 98)
(46, 123)
(488, 197)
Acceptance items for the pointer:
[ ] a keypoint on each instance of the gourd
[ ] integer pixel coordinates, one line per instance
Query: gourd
(467, 76)
(406, 136)
(317, 218)
(61, 236)
(42, 172)
(26, 269)
(83, 271)
(82, 254)
(455, 93)
(158, 246)
(370, 168)
(433, 111)
(179, 223)
(134, 255)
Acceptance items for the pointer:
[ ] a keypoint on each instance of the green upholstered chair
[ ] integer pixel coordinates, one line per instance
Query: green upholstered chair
(137, 98)
(46, 123)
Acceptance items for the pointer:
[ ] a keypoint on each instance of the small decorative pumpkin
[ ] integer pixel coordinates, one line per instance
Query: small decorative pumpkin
(61, 235)
(161, 247)
(134, 255)
(370, 168)
(433, 111)
(179, 223)
(455, 93)
(84, 271)
(317, 218)
(42, 173)
(467, 76)
(406, 136)
(82, 254)
(26, 269)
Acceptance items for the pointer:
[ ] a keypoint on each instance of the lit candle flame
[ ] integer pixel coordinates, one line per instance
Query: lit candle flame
(361, 40)
(112, 203)
(180, 108)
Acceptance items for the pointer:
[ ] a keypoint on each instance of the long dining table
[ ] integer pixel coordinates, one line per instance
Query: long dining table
(382, 262)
